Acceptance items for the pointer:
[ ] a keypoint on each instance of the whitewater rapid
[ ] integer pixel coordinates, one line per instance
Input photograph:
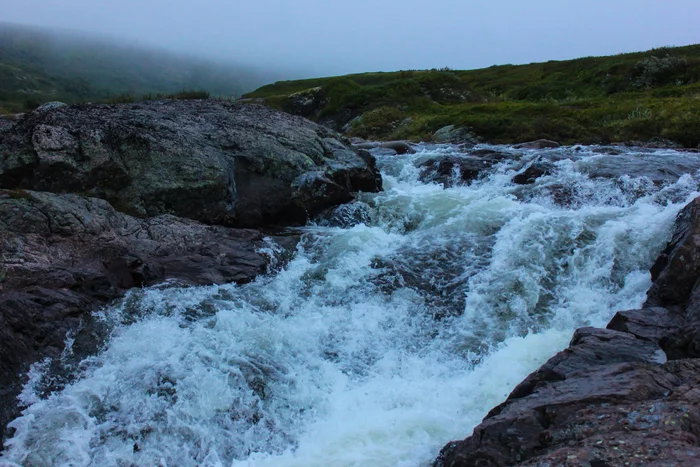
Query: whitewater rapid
(400, 321)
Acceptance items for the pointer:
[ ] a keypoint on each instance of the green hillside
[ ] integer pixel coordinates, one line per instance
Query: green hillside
(636, 96)
(37, 66)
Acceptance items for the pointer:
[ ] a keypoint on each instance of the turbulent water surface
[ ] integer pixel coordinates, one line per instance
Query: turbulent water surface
(400, 321)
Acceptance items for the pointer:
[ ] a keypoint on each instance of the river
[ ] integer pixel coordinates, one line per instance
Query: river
(398, 323)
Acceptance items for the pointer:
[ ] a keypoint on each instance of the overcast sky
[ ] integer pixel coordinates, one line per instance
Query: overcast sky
(328, 37)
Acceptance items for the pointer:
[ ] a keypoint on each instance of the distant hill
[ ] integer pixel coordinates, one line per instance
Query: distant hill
(38, 65)
(634, 96)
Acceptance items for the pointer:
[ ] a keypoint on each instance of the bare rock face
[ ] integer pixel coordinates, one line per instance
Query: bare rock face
(211, 160)
(625, 395)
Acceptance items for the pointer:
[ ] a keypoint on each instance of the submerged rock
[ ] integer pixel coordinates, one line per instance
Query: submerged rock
(209, 160)
(448, 169)
(486, 153)
(607, 150)
(63, 256)
(533, 172)
(401, 147)
(627, 394)
(538, 144)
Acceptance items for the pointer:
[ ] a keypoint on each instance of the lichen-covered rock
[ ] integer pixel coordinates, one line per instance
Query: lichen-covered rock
(307, 103)
(208, 160)
(454, 135)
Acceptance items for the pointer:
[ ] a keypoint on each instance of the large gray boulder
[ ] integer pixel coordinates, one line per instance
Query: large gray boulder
(209, 160)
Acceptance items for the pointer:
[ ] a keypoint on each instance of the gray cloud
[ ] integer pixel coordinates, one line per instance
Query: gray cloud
(327, 37)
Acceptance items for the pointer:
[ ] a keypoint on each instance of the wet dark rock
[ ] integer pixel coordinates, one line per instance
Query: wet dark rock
(606, 387)
(538, 144)
(401, 147)
(450, 169)
(346, 216)
(562, 195)
(533, 172)
(626, 395)
(653, 324)
(491, 154)
(208, 160)
(607, 150)
(676, 275)
(64, 256)
(677, 268)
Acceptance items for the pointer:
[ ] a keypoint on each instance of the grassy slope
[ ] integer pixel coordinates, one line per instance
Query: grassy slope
(625, 97)
(37, 66)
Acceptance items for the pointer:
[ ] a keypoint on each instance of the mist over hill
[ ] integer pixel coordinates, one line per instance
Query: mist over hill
(40, 65)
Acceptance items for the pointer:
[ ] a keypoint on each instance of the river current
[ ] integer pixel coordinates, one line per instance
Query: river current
(398, 323)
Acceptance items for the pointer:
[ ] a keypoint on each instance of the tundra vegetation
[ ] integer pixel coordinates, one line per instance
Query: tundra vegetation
(634, 96)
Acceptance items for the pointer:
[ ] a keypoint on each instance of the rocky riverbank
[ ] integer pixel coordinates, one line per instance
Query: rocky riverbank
(98, 199)
(625, 395)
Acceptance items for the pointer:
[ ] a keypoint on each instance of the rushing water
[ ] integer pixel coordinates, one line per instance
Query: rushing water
(400, 321)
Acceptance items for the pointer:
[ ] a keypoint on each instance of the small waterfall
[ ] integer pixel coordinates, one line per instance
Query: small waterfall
(401, 320)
